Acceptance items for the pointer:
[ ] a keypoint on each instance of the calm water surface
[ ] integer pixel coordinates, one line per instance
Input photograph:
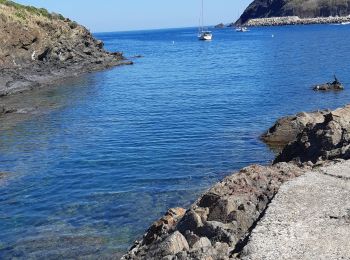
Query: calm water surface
(123, 145)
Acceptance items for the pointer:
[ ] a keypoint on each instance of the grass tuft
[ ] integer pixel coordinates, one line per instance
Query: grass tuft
(30, 9)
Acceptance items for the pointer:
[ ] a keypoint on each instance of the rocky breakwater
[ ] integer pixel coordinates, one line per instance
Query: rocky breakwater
(219, 223)
(295, 20)
(37, 47)
(285, 12)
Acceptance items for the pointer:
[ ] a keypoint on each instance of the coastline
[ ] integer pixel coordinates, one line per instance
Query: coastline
(39, 49)
(223, 221)
(295, 20)
(231, 219)
(16, 82)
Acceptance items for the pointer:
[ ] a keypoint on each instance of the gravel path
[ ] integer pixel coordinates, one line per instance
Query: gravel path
(308, 219)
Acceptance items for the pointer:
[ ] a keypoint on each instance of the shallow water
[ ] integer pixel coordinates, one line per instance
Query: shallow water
(121, 146)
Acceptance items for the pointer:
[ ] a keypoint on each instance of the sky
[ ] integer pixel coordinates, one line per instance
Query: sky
(124, 15)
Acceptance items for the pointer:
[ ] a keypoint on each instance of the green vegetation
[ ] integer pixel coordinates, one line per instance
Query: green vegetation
(21, 15)
(30, 9)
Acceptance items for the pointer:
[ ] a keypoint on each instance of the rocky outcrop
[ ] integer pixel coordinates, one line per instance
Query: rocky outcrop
(219, 26)
(217, 225)
(326, 140)
(231, 220)
(335, 85)
(302, 9)
(38, 47)
(286, 129)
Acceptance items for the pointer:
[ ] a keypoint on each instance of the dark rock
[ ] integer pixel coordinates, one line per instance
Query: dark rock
(327, 140)
(221, 217)
(335, 85)
(191, 238)
(137, 56)
(190, 222)
(327, 87)
(302, 9)
(2, 175)
(99, 44)
(287, 128)
(5, 110)
(220, 26)
(34, 53)
(88, 51)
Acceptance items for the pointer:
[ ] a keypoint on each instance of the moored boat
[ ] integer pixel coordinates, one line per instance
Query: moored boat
(204, 35)
(241, 29)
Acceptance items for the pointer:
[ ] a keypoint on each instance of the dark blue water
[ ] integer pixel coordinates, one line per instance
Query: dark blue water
(125, 144)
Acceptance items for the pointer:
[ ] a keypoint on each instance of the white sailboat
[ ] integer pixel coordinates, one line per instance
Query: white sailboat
(204, 35)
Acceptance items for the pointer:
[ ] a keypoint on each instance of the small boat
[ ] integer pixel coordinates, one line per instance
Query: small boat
(242, 29)
(204, 35)
(345, 23)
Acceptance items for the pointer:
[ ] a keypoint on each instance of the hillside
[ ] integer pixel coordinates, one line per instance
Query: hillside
(36, 46)
(301, 8)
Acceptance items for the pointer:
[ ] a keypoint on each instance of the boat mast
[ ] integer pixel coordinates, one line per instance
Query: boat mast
(202, 18)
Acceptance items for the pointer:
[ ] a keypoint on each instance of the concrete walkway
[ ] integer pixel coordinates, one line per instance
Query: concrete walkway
(308, 219)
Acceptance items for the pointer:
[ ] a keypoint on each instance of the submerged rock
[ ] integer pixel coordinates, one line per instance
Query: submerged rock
(335, 85)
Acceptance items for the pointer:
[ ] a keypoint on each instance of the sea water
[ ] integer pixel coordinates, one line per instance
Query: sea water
(121, 146)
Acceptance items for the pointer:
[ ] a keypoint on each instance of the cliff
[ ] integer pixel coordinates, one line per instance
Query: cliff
(37, 46)
(300, 8)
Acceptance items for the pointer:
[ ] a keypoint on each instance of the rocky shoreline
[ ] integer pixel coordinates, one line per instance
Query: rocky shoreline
(295, 20)
(219, 222)
(39, 48)
(18, 80)
(224, 222)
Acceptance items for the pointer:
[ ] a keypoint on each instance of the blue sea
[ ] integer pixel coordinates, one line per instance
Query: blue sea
(117, 148)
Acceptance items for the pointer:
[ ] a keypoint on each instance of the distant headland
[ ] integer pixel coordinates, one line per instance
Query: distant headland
(302, 9)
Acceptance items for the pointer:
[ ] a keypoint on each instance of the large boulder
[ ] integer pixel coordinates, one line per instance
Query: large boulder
(172, 245)
(327, 140)
(286, 129)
